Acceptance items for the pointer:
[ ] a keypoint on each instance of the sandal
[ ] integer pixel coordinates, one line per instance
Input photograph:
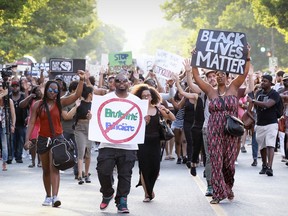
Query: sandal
(147, 199)
(31, 165)
(215, 201)
(4, 168)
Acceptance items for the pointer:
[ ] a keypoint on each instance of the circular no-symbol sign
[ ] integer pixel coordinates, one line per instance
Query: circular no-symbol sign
(108, 129)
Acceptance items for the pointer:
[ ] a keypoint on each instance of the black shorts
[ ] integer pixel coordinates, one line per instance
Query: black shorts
(42, 145)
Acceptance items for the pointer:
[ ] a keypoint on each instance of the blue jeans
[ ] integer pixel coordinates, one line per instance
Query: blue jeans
(106, 161)
(18, 142)
(254, 146)
(71, 136)
(4, 144)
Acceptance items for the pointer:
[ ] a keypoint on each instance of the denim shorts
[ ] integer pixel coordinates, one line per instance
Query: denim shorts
(43, 144)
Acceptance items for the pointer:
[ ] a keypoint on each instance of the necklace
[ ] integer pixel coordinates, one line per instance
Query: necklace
(222, 93)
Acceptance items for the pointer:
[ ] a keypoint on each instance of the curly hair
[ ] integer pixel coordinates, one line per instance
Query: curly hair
(138, 89)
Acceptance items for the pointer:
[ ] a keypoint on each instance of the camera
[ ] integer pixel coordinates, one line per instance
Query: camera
(7, 72)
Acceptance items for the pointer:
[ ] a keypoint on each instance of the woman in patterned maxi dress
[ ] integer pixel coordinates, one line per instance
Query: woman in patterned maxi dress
(221, 147)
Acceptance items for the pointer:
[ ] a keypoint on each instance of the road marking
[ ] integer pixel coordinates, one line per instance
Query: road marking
(216, 207)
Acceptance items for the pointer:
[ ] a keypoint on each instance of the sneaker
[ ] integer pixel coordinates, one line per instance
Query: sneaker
(55, 201)
(209, 191)
(122, 206)
(47, 201)
(87, 179)
(105, 202)
(184, 161)
(269, 171)
(188, 164)
(178, 161)
(263, 170)
(193, 171)
(80, 181)
(254, 163)
(243, 150)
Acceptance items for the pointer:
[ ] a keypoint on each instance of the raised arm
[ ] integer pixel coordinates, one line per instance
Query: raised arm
(73, 97)
(187, 65)
(237, 82)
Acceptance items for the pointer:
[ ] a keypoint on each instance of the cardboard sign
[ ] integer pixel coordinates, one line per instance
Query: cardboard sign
(221, 50)
(62, 65)
(117, 120)
(120, 61)
(167, 63)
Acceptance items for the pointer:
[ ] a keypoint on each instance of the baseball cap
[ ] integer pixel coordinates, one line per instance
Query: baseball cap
(209, 71)
(268, 77)
(285, 76)
(59, 77)
(15, 83)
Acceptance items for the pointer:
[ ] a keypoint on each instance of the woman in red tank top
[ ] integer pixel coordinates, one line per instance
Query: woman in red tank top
(51, 177)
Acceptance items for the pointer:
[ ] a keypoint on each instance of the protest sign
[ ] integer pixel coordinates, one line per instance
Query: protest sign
(117, 120)
(120, 61)
(167, 63)
(221, 50)
(62, 65)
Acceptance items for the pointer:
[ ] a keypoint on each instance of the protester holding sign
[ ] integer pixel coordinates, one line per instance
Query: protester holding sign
(121, 155)
(149, 152)
(222, 147)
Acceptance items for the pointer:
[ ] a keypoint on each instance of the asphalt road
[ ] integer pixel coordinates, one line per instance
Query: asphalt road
(177, 192)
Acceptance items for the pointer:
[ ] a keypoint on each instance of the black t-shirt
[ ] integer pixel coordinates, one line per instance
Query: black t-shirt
(267, 116)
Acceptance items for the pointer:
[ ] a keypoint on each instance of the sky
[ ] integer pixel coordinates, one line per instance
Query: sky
(135, 17)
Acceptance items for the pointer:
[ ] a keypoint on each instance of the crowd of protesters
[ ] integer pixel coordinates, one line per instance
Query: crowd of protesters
(193, 102)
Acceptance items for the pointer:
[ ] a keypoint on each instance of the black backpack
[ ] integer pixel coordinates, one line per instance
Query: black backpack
(279, 105)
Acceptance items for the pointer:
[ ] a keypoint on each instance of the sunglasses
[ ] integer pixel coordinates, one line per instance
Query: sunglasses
(121, 80)
(53, 90)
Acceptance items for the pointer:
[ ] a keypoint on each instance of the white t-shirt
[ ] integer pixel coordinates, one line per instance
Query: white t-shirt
(132, 146)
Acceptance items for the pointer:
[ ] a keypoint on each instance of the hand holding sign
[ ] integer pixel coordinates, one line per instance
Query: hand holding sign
(221, 50)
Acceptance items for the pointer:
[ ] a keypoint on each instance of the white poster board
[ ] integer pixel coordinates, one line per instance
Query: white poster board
(117, 120)
(167, 63)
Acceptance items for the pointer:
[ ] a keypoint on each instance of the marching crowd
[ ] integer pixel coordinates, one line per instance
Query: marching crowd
(194, 103)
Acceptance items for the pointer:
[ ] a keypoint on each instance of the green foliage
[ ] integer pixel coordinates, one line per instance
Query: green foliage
(28, 24)
(236, 15)
(103, 39)
(272, 13)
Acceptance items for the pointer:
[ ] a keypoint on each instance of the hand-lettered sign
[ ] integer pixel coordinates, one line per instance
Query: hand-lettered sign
(117, 120)
(221, 50)
(167, 63)
(120, 61)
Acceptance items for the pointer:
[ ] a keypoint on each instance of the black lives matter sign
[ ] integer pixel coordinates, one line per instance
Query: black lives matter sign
(221, 50)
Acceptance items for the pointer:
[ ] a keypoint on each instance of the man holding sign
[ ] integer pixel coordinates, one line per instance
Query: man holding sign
(122, 127)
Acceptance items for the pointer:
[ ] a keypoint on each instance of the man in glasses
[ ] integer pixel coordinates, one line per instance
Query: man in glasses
(122, 156)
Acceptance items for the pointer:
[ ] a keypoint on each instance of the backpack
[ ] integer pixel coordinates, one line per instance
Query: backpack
(279, 106)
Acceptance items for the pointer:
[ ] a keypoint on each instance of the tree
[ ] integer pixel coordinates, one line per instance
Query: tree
(272, 13)
(237, 15)
(103, 39)
(28, 24)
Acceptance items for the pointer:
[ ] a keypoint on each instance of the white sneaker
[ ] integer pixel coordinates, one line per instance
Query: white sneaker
(47, 201)
(56, 202)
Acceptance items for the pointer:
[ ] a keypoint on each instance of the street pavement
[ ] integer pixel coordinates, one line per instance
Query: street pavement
(177, 192)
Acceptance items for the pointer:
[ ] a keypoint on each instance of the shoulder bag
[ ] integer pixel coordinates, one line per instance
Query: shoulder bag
(62, 150)
(234, 126)
(166, 132)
